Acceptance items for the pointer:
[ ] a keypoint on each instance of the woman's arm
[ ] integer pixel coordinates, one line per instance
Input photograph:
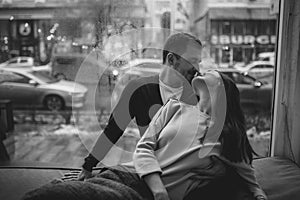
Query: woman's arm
(157, 187)
(144, 158)
(247, 173)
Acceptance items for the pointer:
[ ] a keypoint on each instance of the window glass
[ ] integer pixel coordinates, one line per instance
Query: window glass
(13, 61)
(23, 61)
(44, 77)
(215, 27)
(226, 27)
(250, 27)
(259, 67)
(238, 27)
(150, 65)
(13, 77)
(240, 78)
(89, 43)
(9, 77)
(237, 54)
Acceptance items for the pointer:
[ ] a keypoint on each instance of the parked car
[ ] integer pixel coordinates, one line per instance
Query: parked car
(26, 62)
(253, 92)
(267, 56)
(262, 70)
(135, 69)
(21, 61)
(138, 68)
(67, 67)
(29, 88)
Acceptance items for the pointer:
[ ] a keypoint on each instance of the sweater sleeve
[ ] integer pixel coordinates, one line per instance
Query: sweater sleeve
(118, 121)
(247, 173)
(144, 159)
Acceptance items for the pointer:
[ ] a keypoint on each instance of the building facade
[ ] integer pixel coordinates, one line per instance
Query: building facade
(33, 27)
(235, 30)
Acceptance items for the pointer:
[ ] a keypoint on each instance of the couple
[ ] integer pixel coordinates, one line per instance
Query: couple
(187, 142)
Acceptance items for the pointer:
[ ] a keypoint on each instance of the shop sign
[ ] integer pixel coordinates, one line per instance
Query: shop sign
(243, 39)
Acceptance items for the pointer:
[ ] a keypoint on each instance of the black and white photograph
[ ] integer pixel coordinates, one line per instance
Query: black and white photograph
(149, 100)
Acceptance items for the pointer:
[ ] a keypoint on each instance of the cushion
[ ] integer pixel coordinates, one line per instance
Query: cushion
(279, 178)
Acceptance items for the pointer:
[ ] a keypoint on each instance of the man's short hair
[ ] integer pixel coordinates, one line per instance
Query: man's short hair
(177, 44)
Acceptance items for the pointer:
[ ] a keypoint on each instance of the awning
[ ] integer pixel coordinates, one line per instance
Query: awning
(240, 13)
(42, 13)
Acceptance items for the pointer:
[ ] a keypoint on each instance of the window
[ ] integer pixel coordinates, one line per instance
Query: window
(240, 78)
(149, 65)
(215, 27)
(226, 27)
(23, 61)
(13, 62)
(250, 27)
(231, 40)
(13, 77)
(237, 54)
(44, 77)
(65, 60)
(263, 67)
(238, 28)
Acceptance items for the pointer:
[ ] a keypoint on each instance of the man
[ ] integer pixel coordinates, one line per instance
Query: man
(142, 98)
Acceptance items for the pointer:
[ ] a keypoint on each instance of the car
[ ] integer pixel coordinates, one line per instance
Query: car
(254, 93)
(29, 88)
(135, 69)
(152, 52)
(266, 56)
(140, 67)
(263, 70)
(25, 62)
(20, 61)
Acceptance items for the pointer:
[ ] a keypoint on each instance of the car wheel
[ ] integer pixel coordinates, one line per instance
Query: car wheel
(54, 103)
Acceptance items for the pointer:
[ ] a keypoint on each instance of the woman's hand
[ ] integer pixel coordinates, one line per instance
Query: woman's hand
(84, 174)
(157, 187)
(162, 195)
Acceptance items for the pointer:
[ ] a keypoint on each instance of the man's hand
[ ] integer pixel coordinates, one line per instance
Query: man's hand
(260, 197)
(84, 174)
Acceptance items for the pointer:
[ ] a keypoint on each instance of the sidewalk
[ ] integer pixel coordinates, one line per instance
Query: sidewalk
(44, 137)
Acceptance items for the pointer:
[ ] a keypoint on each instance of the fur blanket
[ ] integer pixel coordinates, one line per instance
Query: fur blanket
(115, 183)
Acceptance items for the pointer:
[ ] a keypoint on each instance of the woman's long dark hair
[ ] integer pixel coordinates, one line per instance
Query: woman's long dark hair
(235, 144)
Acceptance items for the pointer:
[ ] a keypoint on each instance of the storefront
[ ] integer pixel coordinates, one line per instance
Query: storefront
(237, 35)
(33, 27)
(24, 31)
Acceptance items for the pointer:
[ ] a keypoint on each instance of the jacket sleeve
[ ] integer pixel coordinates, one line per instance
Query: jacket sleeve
(118, 121)
(144, 159)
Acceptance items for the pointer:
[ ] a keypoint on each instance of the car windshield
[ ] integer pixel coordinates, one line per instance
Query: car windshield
(44, 77)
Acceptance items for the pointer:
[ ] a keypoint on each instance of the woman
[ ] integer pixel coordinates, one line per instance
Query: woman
(186, 146)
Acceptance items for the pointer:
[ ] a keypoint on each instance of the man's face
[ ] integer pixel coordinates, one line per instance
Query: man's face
(188, 64)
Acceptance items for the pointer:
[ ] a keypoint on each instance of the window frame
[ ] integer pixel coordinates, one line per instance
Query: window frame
(285, 138)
